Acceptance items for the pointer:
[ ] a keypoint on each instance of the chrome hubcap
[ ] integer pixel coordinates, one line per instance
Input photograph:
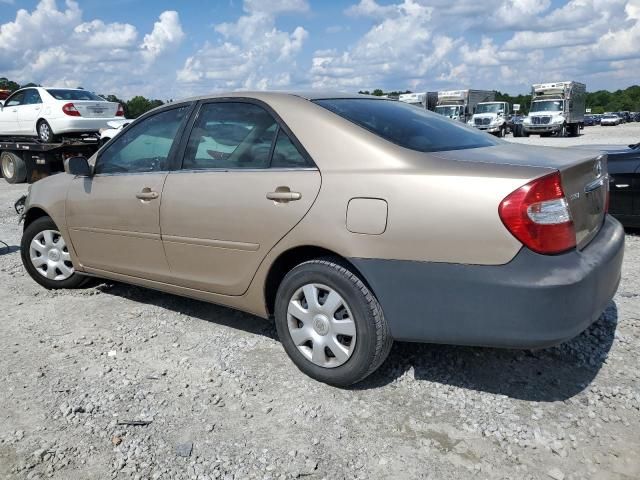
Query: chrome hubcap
(44, 131)
(321, 325)
(50, 256)
(8, 168)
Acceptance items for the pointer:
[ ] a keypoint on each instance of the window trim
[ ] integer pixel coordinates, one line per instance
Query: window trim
(280, 124)
(174, 146)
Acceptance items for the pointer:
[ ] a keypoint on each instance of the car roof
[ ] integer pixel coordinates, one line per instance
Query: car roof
(267, 94)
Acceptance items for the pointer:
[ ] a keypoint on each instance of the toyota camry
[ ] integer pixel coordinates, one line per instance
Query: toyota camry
(353, 221)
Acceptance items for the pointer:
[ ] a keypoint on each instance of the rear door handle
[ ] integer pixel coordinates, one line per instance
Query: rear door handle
(284, 196)
(147, 194)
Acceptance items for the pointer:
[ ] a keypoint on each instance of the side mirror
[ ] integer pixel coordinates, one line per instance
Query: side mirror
(78, 166)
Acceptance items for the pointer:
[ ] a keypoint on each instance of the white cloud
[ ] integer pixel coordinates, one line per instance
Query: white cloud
(252, 53)
(54, 46)
(166, 34)
(547, 42)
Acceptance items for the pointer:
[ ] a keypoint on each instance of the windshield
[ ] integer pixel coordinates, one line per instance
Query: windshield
(407, 126)
(70, 94)
(547, 106)
(490, 108)
(448, 111)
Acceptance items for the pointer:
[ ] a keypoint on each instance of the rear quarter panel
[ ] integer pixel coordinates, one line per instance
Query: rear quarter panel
(439, 210)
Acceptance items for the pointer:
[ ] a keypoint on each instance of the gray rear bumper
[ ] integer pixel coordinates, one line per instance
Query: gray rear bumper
(533, 301)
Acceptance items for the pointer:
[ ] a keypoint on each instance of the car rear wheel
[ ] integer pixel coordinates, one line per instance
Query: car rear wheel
(330, 323)
(45, 134)
(13, 168)
(45, 256)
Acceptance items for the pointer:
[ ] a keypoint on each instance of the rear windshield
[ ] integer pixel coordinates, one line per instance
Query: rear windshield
(69, 94)
(408, 126)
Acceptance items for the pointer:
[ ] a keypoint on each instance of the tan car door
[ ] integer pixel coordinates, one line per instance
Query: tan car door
(114, 216)
(243, 186)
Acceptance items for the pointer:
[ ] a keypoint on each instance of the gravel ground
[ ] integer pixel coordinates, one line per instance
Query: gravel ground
(217, 397)
(624, 134)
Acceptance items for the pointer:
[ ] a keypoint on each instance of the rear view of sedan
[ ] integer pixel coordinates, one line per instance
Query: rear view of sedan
(609, 120)
(49, 113)
(353, 221)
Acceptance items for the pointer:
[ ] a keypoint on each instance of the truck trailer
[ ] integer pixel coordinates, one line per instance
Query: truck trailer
(426, 100)
(556, 108)
(28, 160)
(461, 104)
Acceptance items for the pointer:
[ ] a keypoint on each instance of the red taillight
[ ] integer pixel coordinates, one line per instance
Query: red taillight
(538, 215)
(71, 110)
(120, 112)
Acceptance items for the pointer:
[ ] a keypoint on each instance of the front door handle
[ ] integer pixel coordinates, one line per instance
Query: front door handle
(284, 195)
(147, 194)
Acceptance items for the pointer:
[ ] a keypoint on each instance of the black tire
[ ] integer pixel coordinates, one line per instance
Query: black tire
(563, 131)
(525, 133)
(13, 168)
(39, 225)
(546, 134)
(373, 340)
(574, 130)
(45, 133)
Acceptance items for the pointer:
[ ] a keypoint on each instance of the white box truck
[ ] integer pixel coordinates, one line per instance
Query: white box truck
(461, 104)
(427, 100)
(492, 117)
(556, 108)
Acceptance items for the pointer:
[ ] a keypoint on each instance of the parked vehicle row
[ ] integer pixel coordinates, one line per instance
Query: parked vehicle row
(347, 268)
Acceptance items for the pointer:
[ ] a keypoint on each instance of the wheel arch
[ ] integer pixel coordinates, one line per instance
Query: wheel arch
(42, 119)
(33, 214)
(292, 257)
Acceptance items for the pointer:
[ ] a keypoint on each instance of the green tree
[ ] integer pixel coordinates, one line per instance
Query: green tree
(139, 105)
(6, 84)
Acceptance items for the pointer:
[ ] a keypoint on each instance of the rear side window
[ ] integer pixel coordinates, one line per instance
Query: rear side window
(70, 94)
(286, 155)
(230, 135)
(408, 126)
(145, 146)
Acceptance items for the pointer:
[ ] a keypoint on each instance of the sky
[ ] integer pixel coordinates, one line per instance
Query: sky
(168, 49)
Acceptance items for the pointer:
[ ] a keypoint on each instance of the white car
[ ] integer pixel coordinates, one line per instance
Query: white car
(114, 128)
(608, 120)
(48, 113)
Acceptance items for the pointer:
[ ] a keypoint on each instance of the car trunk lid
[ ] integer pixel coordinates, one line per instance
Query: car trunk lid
(583, 173)
(93, 109)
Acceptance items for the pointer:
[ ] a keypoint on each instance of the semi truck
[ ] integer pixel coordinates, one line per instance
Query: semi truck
(461, 104)
(556, 108)
(426, 100)
(492, 117)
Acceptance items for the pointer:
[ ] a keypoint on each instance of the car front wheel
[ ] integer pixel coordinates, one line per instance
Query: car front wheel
(330, 323)
(46, 257)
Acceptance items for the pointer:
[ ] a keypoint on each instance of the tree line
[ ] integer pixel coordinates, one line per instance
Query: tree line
(133, 108)
(599, 102)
